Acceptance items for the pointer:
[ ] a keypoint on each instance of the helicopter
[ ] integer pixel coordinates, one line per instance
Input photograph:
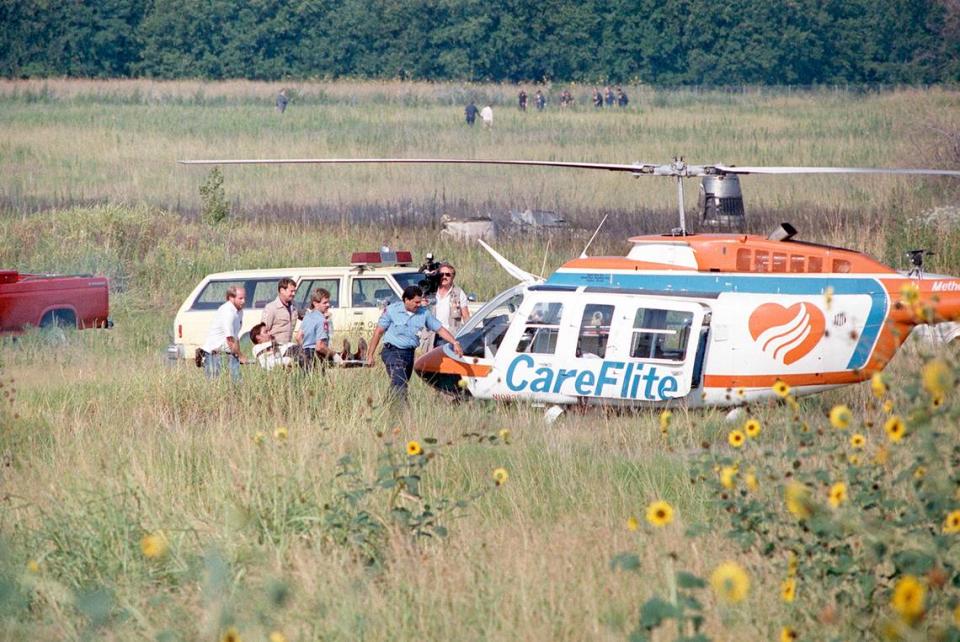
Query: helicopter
(705, 319)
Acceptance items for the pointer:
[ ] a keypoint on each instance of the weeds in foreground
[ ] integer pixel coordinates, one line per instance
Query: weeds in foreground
(858, 515)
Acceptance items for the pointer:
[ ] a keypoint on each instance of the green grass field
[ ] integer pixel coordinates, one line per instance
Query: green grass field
(141, 502)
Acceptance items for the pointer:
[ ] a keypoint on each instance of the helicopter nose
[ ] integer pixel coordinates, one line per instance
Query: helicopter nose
(439, 370)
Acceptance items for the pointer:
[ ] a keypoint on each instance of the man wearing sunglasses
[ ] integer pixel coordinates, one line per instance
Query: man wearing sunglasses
(451, 307)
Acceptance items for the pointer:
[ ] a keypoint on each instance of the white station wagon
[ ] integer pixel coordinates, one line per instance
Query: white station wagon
(358, 294)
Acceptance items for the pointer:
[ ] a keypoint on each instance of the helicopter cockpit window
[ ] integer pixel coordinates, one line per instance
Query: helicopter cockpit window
(542, 329)
(797, 263)
(814, 264)
(483, 339)
(594, 331)
(743, 260)
(660, 334)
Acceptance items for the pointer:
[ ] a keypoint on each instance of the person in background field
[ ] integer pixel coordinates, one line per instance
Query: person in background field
(268, 353)
(470, 111)
(223, 338)
(609, 95)
(451, 307)
(316, 329)
(622, 100)
(400, 326)
(522, 100)
(280, 316)
(540, 100)
(597, 98)
(486, 115)
(282, 101)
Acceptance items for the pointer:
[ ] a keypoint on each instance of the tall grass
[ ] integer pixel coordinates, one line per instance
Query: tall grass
(66, 142)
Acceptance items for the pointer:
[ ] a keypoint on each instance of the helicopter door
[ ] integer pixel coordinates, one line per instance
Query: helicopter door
(658, 341)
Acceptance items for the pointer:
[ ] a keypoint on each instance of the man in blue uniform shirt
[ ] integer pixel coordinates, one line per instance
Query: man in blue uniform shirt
(400, 326)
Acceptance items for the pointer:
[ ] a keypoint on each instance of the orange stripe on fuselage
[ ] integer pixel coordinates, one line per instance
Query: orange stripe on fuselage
(437, 361)
(766, 381)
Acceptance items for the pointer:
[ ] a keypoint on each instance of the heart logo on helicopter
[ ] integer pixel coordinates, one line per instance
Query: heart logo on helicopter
(787, 334)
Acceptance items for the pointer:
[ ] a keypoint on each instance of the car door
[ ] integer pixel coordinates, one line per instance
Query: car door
(369, 295)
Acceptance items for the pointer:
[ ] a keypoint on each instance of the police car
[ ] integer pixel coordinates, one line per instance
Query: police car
(358, 294)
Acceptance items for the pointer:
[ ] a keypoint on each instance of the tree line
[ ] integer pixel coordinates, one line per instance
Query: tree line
(659, 42)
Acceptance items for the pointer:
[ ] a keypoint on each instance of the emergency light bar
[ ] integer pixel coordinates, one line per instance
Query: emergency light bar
(401, 257)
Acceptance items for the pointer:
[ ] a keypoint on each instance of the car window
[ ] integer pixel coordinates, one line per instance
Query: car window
(372, 292)
(308, 286)
(259, 293)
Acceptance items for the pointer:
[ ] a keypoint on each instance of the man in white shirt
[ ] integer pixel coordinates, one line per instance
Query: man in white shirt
(223, 339)
(451, 306)
(486, 115)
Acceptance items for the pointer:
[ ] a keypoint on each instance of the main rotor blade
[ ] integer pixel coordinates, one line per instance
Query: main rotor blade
(733, 169)
(636, 168)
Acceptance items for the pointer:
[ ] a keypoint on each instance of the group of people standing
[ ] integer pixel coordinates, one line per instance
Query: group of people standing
(609, 97)
(404, 326)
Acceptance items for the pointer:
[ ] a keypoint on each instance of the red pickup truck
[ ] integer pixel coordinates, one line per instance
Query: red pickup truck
(77, 301)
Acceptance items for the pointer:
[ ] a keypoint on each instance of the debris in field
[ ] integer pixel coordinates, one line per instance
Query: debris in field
(552, 414)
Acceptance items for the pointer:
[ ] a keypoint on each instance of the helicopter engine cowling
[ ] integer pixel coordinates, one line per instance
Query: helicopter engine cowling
(721, 203)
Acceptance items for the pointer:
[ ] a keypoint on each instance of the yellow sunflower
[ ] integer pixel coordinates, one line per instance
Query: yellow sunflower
(937, 377)
(154, 545)
(33, 566)
(792, 563)
(277, 636)
(878, 385)
(840, 417)
(951, 526)
(659, 513)
(728, 475)
(920, 472)
(798, 500)
(782, 389)
(259, 438)
(500, 476)
(736, 438)
(730, 582)
(665, 418)
(752, 428)
(908, 598)
(857, 440)
(895, 428)
(788, 590)
(280, 434)
(504, 435)
(788, 634)
(888, 406)
(838, 494)
(910, 293)
(632, 524)
(854, 460)
(414, 448)
(231, 635)
(750, 479)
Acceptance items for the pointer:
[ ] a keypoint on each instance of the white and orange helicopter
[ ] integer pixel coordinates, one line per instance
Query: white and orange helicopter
(712, 319)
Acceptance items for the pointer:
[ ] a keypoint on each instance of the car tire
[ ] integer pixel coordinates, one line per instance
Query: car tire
(59, 319)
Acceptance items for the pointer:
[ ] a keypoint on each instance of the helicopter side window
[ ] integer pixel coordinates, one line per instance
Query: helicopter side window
(660, 334)
(814, 264)
(797, 263)
(841, 265)
(743, 260)
(779, 262)
(542, 329)
(761, 261)
(594, 331)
